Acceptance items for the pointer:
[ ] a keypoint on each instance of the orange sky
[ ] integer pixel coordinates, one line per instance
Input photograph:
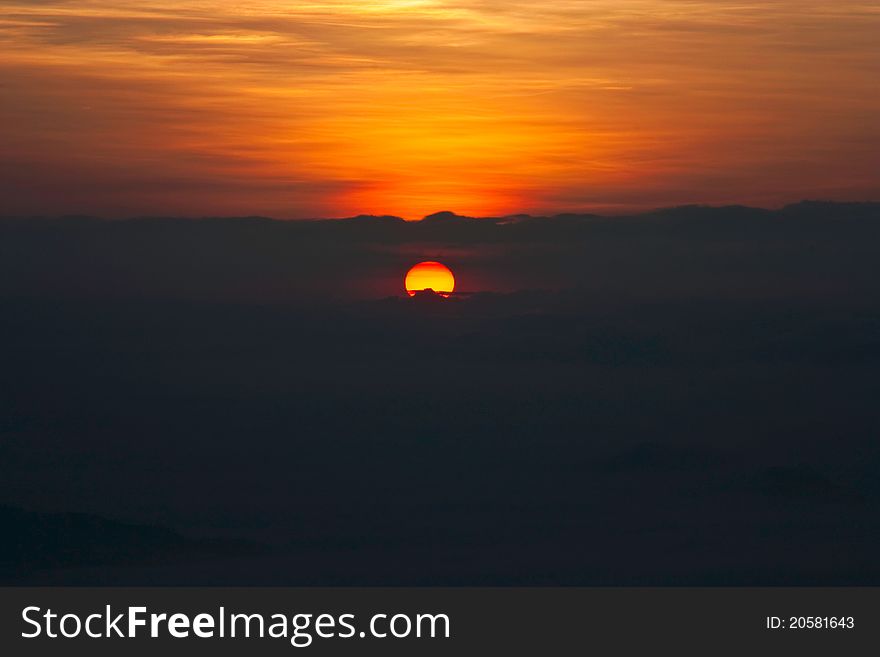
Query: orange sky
(304, 109)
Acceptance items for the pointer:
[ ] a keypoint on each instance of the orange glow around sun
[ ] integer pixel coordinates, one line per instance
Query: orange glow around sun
(430, 275)
(336, 108)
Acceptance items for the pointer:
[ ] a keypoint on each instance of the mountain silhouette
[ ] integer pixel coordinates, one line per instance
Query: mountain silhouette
(674, 397)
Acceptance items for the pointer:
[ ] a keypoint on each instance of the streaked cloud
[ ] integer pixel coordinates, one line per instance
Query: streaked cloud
(329, 108)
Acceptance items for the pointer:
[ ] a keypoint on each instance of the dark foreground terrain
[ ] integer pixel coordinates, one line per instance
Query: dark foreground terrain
(685, 397)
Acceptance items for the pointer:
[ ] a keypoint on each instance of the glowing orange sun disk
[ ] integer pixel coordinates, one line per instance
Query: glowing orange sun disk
(430, 275)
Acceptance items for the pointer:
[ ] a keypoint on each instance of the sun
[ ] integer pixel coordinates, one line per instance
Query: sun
(430, 275)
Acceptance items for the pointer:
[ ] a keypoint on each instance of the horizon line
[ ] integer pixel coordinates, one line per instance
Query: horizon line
(446, 213)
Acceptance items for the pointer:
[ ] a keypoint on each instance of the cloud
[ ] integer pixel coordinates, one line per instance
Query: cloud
(488, 107)
(680, 395)
(734, 251)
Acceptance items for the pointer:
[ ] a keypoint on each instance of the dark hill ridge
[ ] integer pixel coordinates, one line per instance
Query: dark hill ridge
(807, 208)
(369, 218)
(806, 248)
(445, 217)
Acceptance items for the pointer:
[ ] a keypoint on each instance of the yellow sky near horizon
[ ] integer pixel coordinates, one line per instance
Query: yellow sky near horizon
(306, 109)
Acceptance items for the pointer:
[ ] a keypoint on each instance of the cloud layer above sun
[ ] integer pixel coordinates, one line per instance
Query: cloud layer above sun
(407, 107)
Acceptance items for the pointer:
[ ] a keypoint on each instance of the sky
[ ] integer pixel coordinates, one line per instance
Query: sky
(407, 107)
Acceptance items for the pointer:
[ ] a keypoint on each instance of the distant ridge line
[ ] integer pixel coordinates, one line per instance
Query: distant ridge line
(446, 217)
